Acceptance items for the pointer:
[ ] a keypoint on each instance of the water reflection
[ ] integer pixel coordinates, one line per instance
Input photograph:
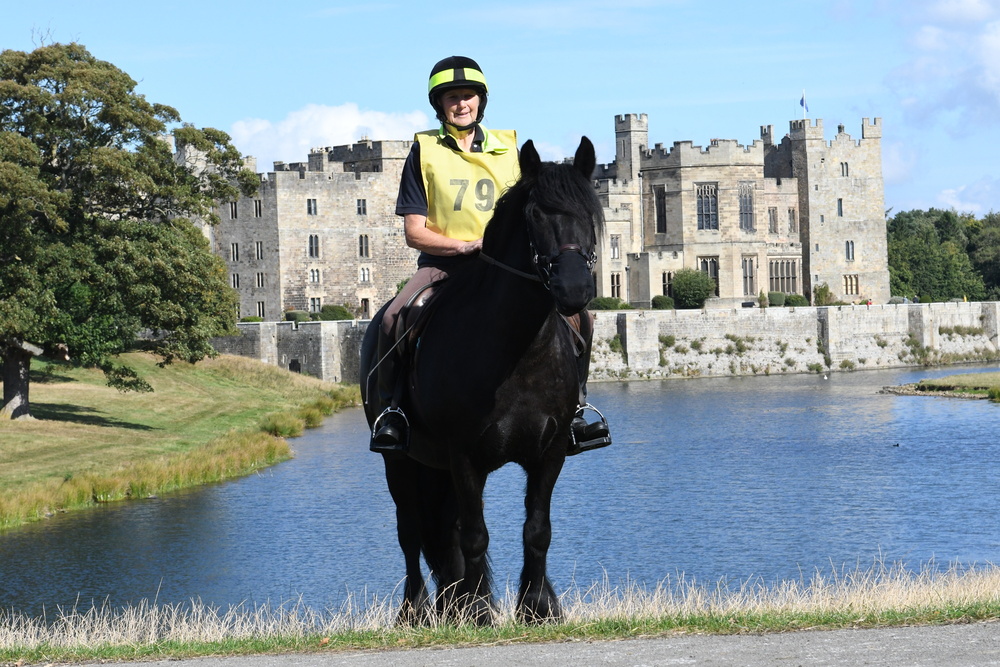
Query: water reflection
(717, 478)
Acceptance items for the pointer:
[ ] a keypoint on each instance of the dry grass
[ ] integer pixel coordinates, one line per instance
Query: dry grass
(865, 598)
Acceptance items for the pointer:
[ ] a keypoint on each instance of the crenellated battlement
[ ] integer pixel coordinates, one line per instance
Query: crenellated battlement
(631, 122)
(804, 129)
(718, 152)
(871, 130)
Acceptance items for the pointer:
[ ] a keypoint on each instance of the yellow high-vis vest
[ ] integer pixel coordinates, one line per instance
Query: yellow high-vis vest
(462, 188)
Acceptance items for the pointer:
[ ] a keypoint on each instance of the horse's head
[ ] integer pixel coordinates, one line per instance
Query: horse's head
(563, 217)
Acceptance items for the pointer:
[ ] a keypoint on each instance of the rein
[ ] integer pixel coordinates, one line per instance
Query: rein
(489, 260)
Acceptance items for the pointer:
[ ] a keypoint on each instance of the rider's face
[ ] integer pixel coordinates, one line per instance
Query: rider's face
(461, 106)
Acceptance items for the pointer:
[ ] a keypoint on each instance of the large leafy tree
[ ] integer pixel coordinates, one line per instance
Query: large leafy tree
(928, 256)
(97, 243)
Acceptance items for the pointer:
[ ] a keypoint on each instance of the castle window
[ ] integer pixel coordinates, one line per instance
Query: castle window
(840, 208)
(256, 208)
(616, 249)
(362, 207)
(363, 246)
(311, 207)
(315, 304)
(232, 210)
(849, 250)
(746, 206)
(235, 282)
(366, 274)
(707, 195)
(313, 245)
(710, 265)
(234, 252)
(366, 307)
(793, 222)
(260, 280)
(749, 284)
(772, 220)
(616, 285)
(668, 283)
(314, 275)
(851, 285)
(844, 170)
(783, 276)
(660, 200)
(260, 309)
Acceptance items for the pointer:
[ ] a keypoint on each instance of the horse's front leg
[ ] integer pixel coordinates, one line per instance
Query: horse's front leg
(474, 596)
(536, 600)
(402, 477)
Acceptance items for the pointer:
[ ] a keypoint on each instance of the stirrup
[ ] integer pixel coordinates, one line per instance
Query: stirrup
(386, 447)
(603, 439)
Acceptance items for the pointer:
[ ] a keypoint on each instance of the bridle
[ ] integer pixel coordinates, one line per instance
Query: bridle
(542, 263)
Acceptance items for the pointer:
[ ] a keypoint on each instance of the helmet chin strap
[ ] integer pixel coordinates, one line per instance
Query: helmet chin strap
(463, 128)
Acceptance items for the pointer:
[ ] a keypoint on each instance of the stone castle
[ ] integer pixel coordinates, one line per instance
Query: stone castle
(781, 216)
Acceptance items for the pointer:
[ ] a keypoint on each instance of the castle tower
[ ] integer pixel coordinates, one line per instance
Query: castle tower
(842, 209)
(631, 138)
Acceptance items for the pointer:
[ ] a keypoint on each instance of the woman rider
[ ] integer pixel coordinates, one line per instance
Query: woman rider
(450, 183)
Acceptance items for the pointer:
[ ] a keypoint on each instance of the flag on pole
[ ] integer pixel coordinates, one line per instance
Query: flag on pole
(803, 104)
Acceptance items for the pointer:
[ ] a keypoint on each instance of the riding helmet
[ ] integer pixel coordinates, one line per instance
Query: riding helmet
(456, 72)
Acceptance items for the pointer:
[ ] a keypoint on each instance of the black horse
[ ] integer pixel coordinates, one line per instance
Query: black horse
(495, 380)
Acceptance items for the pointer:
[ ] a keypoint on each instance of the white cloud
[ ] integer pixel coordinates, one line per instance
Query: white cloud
(953, 73)
(315, 125)
(972, 198)
(962, 11)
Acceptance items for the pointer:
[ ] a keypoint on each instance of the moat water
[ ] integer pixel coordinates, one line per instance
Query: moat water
(734, 479)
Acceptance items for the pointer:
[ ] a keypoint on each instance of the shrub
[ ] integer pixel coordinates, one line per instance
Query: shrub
(668, 340)
(606, 303)
(795, 301)
(296, 316)
(662, 302)
(776, 299)
(762, 300)
(822, 296)
(283, 425)
(692, 288)
(252, 318)
(994, 394)
(330, 312)
(847, 365)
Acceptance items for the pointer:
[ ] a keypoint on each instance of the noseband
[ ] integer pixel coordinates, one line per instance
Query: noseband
(542, 263)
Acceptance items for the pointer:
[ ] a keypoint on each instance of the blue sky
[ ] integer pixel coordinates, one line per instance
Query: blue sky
(283, 77)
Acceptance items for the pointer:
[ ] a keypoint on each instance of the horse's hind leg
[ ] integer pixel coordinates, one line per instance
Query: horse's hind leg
(403, 478)
(536, 600)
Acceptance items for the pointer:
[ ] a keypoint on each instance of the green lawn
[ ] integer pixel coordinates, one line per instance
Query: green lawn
(82, 427)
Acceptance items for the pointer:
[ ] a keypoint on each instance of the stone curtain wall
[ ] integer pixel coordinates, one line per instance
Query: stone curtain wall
(650, 344)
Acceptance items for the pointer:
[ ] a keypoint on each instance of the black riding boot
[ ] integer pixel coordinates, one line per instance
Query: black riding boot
(586, 436)
(390, 432)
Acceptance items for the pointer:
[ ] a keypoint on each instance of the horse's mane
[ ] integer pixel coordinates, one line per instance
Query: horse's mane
(555, 187)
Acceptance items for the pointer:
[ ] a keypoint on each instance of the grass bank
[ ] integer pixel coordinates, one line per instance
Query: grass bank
(986, 385)
(876, 597)
(221, 418)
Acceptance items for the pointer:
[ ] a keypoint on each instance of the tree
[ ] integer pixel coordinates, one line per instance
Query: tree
(928, 256)
(691, 288)
(97, 242)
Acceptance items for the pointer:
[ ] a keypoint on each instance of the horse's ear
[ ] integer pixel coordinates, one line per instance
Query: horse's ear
(529, 159)
(585, 160)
